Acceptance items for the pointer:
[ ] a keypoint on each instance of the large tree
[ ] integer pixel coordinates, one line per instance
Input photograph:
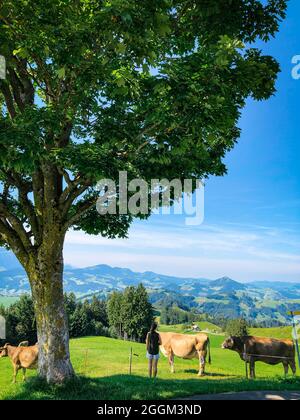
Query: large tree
(152, 87)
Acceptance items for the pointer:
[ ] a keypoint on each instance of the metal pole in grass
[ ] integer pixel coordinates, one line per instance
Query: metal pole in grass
(295, 334)
(246, 361)
(130, 361)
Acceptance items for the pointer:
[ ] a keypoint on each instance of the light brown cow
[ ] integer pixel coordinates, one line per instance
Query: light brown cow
(261, 349)
(21, 358)
(186, 347)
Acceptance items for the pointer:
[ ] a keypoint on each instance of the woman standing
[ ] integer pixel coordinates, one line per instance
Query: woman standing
(153, 342)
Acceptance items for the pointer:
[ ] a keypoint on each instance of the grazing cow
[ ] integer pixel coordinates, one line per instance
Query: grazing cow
(260, 349)
(186, 347)
(21, 358)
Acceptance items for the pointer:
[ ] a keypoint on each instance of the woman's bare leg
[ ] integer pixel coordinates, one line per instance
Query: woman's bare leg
(155, 362)
(150, 368)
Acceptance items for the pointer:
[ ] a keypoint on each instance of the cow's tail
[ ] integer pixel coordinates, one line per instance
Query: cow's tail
(208, 346)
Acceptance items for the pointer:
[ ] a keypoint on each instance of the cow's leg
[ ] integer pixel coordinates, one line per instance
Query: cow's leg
(16, 368)
(171, 361)
(285, 367)
(24, 374)
(293, 366)
(252, 368)
(201, 363)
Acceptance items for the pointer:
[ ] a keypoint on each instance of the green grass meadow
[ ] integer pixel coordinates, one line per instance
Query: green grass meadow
(102, 365)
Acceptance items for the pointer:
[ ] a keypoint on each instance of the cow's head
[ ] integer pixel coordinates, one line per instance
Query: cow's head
(228, 343)
(4, 350)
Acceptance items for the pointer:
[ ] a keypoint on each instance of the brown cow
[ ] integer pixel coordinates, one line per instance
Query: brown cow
(186, 347)
(21, 358)
(261, 349)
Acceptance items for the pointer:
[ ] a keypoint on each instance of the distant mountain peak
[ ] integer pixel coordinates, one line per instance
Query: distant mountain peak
(227, 282)
(225, 279)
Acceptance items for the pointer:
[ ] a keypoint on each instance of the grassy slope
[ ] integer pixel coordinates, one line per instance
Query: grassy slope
(104, 375)
(181, 328)
(278, 332)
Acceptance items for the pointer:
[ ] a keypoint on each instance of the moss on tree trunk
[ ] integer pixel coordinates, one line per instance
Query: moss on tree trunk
(46, 278)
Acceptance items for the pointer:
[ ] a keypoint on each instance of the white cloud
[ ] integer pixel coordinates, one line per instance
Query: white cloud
(245, 253)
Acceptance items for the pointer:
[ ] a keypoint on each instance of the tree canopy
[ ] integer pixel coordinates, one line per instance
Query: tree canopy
(153, 87)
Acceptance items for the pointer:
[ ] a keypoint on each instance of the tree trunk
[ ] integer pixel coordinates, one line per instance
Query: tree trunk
(46, 278)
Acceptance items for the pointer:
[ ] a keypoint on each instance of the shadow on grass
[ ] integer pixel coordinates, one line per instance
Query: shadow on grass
(207, 374)
(125, 387)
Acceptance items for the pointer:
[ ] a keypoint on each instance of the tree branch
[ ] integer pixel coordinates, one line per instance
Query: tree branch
(25, 79)
(12, 239)
(8, 98)
(16, 225)
(72, 197)
(16, 89)
(83, 208)
(23, 189)
(22, 89)
(14, 242)
(38, 195)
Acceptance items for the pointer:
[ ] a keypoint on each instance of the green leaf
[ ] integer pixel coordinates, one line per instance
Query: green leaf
(121, 48)
(61, 73)
(120, 82)
(21, 52)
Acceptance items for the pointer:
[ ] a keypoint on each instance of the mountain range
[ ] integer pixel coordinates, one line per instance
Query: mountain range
(257, 301)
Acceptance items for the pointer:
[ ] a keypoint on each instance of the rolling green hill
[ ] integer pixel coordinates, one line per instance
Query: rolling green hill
(278, 332)
(182, 328)
(262, 302)
(275, 332)
(102, 364)
(8, 300)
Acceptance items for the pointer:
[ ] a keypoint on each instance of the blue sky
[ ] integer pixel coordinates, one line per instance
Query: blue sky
(252, 215)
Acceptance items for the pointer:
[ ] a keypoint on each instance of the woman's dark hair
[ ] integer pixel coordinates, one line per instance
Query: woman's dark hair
(153, 326)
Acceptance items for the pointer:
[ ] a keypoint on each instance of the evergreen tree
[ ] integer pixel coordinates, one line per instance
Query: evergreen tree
(128, 313)
(143, 313)
(237, 327)
(114, 309)
(20, 321)
(70, 305)
(99, 311)
(79, 321)
(164, 317)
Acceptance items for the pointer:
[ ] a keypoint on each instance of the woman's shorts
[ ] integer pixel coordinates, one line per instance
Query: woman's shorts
(152, 356)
